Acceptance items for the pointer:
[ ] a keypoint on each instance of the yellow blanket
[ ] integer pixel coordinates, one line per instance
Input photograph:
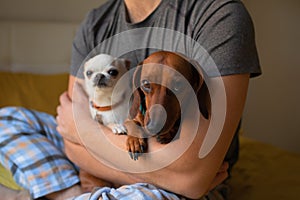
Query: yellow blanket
(265, 172)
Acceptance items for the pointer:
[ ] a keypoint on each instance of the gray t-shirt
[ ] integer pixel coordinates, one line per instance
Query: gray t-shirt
(218, 34)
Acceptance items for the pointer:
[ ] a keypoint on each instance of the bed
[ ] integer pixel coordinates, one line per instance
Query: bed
(34, 60)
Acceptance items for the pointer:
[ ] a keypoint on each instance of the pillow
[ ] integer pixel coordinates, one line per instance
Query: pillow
(7, 180)
(34, 91)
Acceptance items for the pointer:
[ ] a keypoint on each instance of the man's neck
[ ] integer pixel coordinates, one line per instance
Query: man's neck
(138, 10)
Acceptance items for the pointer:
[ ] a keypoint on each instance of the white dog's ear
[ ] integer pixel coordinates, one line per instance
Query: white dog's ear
(122, 61)
(126, 63)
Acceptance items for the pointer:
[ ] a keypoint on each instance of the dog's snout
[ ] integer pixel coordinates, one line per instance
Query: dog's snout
(154, 127)
(99, 77)
(99, 80)
(157, 119)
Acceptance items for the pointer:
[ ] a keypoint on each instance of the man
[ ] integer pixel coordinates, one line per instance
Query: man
(222, 28)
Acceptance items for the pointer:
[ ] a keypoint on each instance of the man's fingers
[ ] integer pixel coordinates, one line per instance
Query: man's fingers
(221, 175)
(63, 98)
(219, 178)
(224, 167)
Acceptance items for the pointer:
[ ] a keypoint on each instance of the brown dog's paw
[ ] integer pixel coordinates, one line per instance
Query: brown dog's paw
(136, 146)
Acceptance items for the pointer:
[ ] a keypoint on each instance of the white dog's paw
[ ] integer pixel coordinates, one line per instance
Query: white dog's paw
(118, 128)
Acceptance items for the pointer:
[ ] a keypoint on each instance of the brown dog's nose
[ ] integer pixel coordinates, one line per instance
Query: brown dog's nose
(154, 127)
(157, 119)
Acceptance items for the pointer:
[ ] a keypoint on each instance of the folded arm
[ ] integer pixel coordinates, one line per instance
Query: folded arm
(196, 175)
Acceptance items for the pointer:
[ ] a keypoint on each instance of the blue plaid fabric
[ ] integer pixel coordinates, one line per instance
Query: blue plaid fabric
(138, 191)
(145, 191)
(32, 149)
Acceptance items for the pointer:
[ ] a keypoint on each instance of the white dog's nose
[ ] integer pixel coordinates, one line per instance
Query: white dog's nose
(99, 80)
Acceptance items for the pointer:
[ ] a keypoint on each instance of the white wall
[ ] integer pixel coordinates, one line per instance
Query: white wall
(46, 10)
(273, 113)
(36, 35)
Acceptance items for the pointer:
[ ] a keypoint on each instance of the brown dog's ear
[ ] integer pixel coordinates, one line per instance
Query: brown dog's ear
(202, 92)
(138, 97)
(138, 107)
(136, 100)
(204, 100)
(137, 76)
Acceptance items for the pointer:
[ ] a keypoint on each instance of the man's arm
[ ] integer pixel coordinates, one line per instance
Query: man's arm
(196, 175)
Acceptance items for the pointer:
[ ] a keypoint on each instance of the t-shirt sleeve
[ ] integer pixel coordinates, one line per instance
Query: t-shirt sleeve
(81, 46)
(227, 34)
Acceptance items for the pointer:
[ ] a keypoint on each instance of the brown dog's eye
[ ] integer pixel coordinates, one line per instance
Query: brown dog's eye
(89, 73)
(178, 86)
(146, 86)
(113, 72)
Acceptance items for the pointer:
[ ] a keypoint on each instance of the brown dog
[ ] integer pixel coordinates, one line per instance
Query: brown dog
(158, 86)
(156, 109)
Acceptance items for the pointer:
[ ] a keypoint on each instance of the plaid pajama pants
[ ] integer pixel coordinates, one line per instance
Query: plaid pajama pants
(32, 149)
(145, 191)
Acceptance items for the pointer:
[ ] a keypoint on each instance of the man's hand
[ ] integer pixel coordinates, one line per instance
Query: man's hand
(69, 112)
(221, 176)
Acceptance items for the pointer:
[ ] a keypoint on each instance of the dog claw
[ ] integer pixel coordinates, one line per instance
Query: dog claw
(134, 156)
(130, 154)
(118, 128)
(136, 147)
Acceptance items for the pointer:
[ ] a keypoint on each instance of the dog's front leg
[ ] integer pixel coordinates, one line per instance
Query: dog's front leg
(136, 146)
(136, 143)
(117, 128)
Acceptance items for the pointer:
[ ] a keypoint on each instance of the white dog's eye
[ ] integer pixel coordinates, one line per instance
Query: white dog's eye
(89, 73)
(113, 72)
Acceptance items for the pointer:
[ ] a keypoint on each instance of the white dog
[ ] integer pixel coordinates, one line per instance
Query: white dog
(107, 105)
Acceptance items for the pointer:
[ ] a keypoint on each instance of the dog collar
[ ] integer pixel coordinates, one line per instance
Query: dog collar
(103, 108)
